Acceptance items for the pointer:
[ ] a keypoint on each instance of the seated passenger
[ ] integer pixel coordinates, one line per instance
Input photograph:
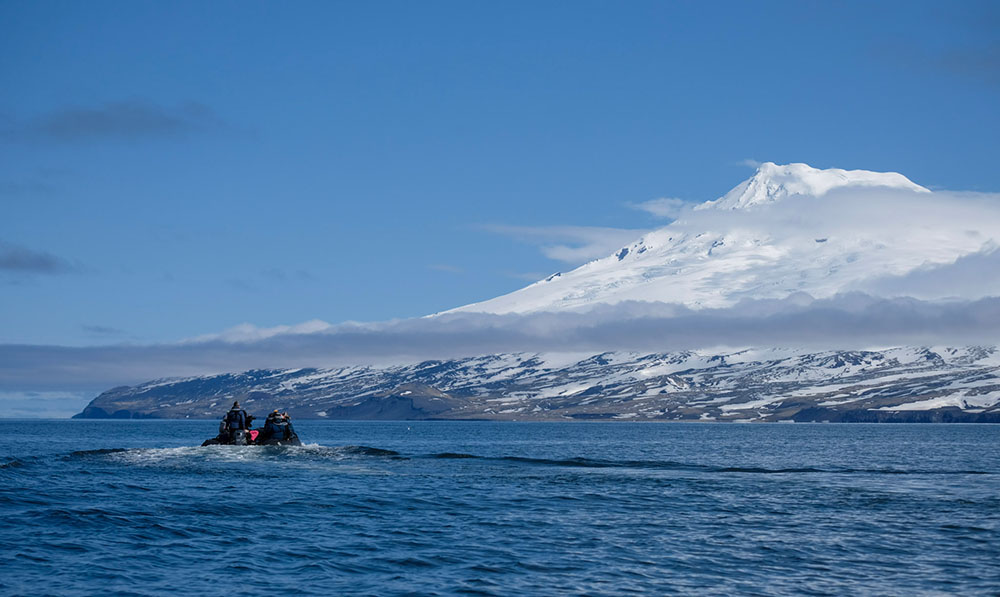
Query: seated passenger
(289, 430)
(276, 428)
(223, 436)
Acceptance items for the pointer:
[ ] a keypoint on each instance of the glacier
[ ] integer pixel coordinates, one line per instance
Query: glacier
(786, 230)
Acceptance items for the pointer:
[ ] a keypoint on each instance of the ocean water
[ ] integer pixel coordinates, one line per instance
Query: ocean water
(449, 508)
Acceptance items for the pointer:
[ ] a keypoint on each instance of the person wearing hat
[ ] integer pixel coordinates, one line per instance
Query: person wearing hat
(276, 428)
(236, 418)
(289, 430)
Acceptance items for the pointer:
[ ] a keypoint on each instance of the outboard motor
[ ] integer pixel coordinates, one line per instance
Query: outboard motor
(238, 437)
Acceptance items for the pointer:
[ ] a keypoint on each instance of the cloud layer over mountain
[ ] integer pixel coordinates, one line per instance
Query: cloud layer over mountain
(854, 268)
(846, 321)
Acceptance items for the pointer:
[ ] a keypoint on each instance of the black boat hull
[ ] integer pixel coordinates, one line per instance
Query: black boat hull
(242, 438)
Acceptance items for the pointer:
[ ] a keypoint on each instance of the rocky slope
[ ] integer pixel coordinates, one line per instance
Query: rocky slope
(901, 384)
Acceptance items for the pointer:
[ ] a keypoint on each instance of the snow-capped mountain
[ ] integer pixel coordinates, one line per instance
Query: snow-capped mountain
(788, 229)
(901, 384)
(773, 182)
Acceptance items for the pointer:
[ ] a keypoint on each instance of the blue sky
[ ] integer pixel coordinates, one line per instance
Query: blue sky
(174, 169)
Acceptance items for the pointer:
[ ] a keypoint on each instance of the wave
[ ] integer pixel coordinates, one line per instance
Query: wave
(579, 462)
(100, 452)
(367, 451)
(12, 463)
(453, 456)
(188, 454)
(314, 452)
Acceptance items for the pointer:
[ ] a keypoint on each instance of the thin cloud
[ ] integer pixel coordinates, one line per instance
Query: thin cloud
(283, 274)
(132, 119)
(571, 244)
(528, 276)
(246, 332)
(750, 163)
(665, 207)
(102, 330)
(17, 259)
(444, 267)
(851, 321)
(977, 274)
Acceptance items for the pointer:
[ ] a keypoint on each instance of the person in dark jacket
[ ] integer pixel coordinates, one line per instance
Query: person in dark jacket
(289, 430)
(277, 428)
(236, 418)
(273, 429)
(237, 423)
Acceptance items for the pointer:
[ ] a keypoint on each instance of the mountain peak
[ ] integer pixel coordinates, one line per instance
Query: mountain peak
(773, 182)
(715, 259)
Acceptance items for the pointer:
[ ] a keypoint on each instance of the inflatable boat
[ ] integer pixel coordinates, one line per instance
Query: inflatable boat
(253, 437)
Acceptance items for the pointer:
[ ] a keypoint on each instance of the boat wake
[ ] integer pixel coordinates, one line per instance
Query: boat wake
(315, 454)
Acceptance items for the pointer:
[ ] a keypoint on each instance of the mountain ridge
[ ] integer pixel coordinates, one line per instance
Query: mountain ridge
(898, 384)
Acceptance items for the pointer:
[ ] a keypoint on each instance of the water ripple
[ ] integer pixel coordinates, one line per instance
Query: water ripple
(483, 509)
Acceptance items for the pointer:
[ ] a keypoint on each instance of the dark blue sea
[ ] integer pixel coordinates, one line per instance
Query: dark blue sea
(449, 508)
